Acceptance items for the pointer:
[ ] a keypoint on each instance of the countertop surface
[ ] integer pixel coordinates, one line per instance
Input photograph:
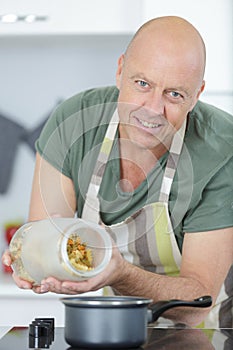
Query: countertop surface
(4, 330)
(10, 290)
(157, 339)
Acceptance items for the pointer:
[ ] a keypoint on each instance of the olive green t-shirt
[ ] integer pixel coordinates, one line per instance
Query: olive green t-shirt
(201, 197)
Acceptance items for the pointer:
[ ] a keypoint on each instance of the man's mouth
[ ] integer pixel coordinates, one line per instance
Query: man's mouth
(148, 125)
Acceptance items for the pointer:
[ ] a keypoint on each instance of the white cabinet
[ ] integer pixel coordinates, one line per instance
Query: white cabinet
(28, 17)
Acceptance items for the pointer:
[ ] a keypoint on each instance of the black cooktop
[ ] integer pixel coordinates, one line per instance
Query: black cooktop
(19, 338)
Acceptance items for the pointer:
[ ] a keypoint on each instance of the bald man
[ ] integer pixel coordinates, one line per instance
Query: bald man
(153, 164)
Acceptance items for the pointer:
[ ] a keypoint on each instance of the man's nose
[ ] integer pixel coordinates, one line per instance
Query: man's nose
(155, 102)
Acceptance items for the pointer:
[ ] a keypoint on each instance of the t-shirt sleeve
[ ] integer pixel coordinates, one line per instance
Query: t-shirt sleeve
(215, 207)
(55, 141)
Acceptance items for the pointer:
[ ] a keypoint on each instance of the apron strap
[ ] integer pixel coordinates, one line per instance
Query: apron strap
(172, 162)
(91, 209)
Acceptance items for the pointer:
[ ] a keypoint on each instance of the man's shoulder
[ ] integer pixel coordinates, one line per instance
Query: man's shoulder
(89, 98)
(211, 116)
(100, 94)
(84, 110)
(212, 125)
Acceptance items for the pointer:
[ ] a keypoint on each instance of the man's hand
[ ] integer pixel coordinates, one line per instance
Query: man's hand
(6, 260)
(108, 277)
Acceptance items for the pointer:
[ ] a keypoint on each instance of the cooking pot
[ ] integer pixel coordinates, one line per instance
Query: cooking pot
(118, 321)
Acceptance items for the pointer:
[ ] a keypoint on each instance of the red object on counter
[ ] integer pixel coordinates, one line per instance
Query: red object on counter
(7, 269)
(10, 230)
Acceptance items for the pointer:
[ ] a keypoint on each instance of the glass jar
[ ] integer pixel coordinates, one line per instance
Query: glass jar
(44, 248)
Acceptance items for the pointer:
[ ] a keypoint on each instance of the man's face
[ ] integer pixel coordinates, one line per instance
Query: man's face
(156, 92)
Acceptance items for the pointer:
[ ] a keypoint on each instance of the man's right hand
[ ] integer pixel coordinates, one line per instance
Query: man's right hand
(6, 260)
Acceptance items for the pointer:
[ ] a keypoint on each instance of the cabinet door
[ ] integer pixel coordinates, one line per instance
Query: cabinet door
(213, 19)
(69, 16)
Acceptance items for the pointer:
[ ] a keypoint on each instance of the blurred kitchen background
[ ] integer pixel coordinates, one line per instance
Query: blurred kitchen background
(50, 50)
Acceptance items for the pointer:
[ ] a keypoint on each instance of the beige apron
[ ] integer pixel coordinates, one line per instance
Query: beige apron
(146, 238)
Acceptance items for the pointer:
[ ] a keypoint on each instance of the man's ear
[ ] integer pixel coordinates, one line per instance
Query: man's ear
(119, 70)
(198, 94)
(201, 88)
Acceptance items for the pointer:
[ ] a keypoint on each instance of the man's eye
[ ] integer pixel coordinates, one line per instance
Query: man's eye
(174, 94)
(142, 83)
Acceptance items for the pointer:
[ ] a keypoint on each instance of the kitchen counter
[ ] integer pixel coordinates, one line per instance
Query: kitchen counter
(158, 339)
(10, 290)
(19, 306)
(4, 330)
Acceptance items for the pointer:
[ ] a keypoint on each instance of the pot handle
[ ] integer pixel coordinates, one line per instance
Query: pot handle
(156, 310)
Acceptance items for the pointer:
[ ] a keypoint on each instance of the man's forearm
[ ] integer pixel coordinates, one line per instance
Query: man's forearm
(138, 282)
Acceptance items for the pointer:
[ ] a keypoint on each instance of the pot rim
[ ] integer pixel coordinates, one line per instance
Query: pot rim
(105, 301)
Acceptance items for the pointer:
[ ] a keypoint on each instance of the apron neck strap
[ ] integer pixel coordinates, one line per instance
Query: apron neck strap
(91, 209)
(173, 158)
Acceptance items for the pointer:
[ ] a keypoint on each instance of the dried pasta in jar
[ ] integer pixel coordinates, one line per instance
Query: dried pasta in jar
(79, 255)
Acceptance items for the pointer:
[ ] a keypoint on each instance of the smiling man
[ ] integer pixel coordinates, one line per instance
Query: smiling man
(153, 164)
(159, 79)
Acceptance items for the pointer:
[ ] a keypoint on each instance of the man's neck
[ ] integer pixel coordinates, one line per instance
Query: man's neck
(135, 164)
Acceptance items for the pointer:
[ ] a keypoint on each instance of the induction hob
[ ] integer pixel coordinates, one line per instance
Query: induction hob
(19, 338)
